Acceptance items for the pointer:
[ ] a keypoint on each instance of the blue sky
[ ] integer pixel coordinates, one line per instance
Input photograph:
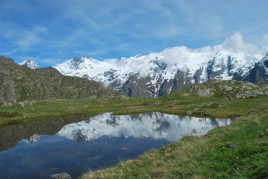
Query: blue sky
(51, 31)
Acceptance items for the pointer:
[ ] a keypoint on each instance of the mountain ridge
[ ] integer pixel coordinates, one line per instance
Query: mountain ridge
(158, 74)
(21, 83)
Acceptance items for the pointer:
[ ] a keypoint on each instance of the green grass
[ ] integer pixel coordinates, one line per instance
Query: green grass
(213, 107)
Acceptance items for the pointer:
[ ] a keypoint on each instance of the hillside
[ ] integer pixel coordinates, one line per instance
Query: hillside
(227, 89)
(20, 83)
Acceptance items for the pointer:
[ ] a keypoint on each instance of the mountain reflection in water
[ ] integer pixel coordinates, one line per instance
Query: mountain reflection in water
(149, 125)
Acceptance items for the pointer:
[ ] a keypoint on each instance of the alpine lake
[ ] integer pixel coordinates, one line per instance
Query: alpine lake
(41, 148)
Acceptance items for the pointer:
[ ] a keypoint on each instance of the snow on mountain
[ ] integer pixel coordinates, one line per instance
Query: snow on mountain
(33, 139)
(152, 125)
(29, 63)
(264, 63)
(233, 57)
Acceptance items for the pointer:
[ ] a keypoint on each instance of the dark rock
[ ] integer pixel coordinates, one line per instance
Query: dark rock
(136, 86)
(258, 74)
(229, 89)
(265, 144)
(142, 86)
(204, 92)
(262, 135)
(263, 173)
(60, 176)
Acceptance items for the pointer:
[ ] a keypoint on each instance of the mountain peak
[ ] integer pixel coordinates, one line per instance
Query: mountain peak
(29, 63)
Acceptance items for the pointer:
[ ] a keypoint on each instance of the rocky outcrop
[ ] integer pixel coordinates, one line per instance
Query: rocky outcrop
(259, 74)
(137, 86)
(7, 85)
(229, 89)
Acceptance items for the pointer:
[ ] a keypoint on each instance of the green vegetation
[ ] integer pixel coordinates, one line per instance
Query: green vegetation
(174, 104)
(236, 151)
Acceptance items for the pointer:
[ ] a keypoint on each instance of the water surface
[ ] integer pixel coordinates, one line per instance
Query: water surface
(40, 149)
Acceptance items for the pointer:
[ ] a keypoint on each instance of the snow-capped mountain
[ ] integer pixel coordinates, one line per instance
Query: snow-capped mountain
(29, 63)
(158, 74)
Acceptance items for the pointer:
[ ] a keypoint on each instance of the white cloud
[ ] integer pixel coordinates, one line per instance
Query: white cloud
(198, 21)
(37, 59)
(72, 39)
(31, 37)
(264, 42)
(101, 26)
(50, 61)
(168, 31)
(7, 53)
(237, 43)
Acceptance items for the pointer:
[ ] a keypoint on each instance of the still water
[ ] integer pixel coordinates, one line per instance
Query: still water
(43, 148)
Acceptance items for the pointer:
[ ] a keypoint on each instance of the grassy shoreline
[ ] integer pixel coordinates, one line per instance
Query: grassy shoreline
(194, 106)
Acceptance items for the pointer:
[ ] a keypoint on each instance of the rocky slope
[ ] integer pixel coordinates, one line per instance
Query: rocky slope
(158, 74)
(20, 83)
(259, 73)
(230, 89)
